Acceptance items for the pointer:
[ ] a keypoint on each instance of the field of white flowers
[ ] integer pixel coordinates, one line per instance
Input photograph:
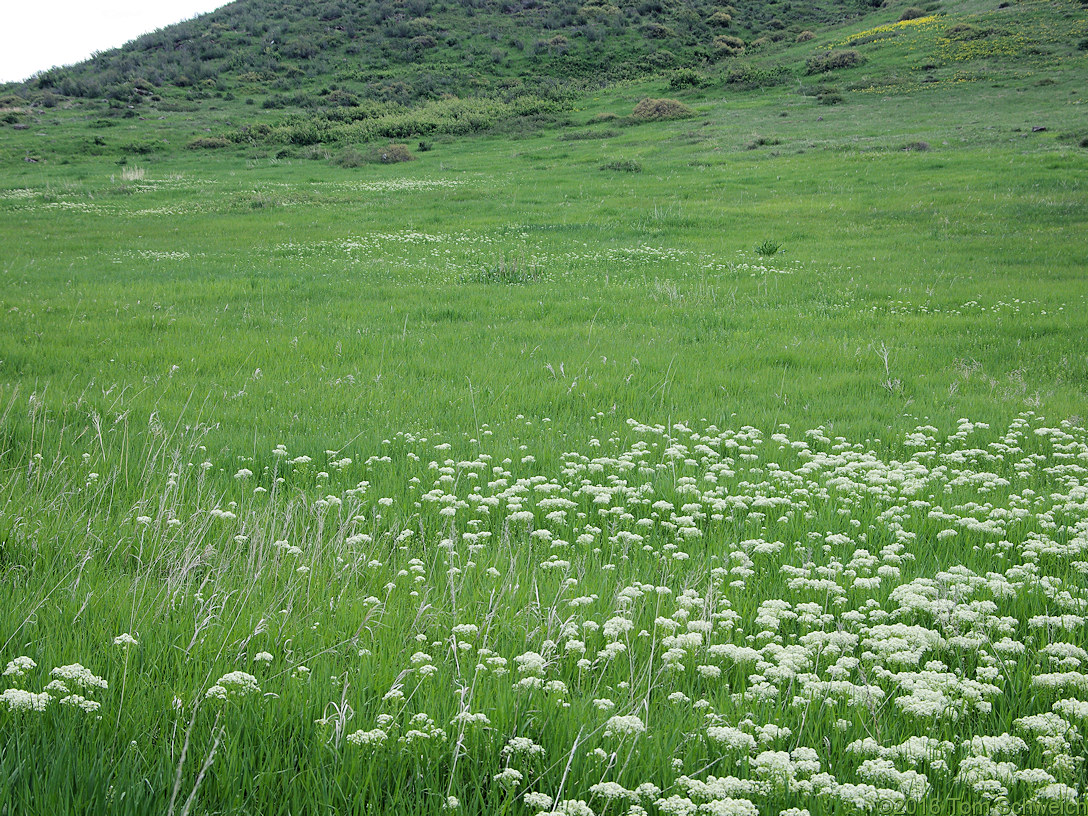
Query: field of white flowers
(678, 620)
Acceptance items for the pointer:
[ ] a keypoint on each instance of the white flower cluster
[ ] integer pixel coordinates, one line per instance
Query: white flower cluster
(64, 688)
(794, 619)
(233, 685)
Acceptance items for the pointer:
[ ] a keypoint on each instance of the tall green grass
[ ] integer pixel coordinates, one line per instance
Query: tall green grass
(166, 331)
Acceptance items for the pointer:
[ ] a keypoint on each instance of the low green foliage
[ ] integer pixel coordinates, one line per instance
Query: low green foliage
(727, 45)
(750, 76)
(652, 110)
(686, 78)
(391, 153)
(509, 270)
(833, 61)
(444, 117)
(623, 166)
(348, 158)
(582, 135)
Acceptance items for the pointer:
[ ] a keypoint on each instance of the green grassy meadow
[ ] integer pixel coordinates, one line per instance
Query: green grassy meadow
(733, 464)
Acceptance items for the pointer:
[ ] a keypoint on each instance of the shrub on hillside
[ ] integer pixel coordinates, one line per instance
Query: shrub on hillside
(380, 154)
(623, 166)
(728, 46)
(391, 153)
(685, 78)
(912, 13)
(656, 31)
(657, 61)
(833, 61)
(649, 110)
(720, 19)
(349, 157)
(747, 76)
(805, 36)
(603, 117)
(443, 116)
(422, 43)
(342, 99)
(762, 141)
(583, 135)
(142, 148)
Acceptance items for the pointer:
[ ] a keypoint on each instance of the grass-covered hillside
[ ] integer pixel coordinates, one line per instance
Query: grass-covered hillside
(147, 99)
(295, 54)
(708, 441)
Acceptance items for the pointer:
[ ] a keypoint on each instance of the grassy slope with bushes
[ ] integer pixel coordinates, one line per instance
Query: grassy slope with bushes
(334, 53)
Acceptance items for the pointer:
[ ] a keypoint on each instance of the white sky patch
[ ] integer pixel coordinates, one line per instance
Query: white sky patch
(38, 36)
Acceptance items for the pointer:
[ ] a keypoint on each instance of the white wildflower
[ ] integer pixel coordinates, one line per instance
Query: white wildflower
(19, 700)
(19, 667)
(75, 676)
(624, 726)
(372, 738)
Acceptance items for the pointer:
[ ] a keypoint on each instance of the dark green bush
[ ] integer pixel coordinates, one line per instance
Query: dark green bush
(423, 42)
(685, 78)
(833, 61)
(728, 45)
(391, 153)
(747, 76)
(623, 166)
(349, 157)
(141, 148)
(304, 133)
(582, 135)
(342, 99)
(656, 31)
